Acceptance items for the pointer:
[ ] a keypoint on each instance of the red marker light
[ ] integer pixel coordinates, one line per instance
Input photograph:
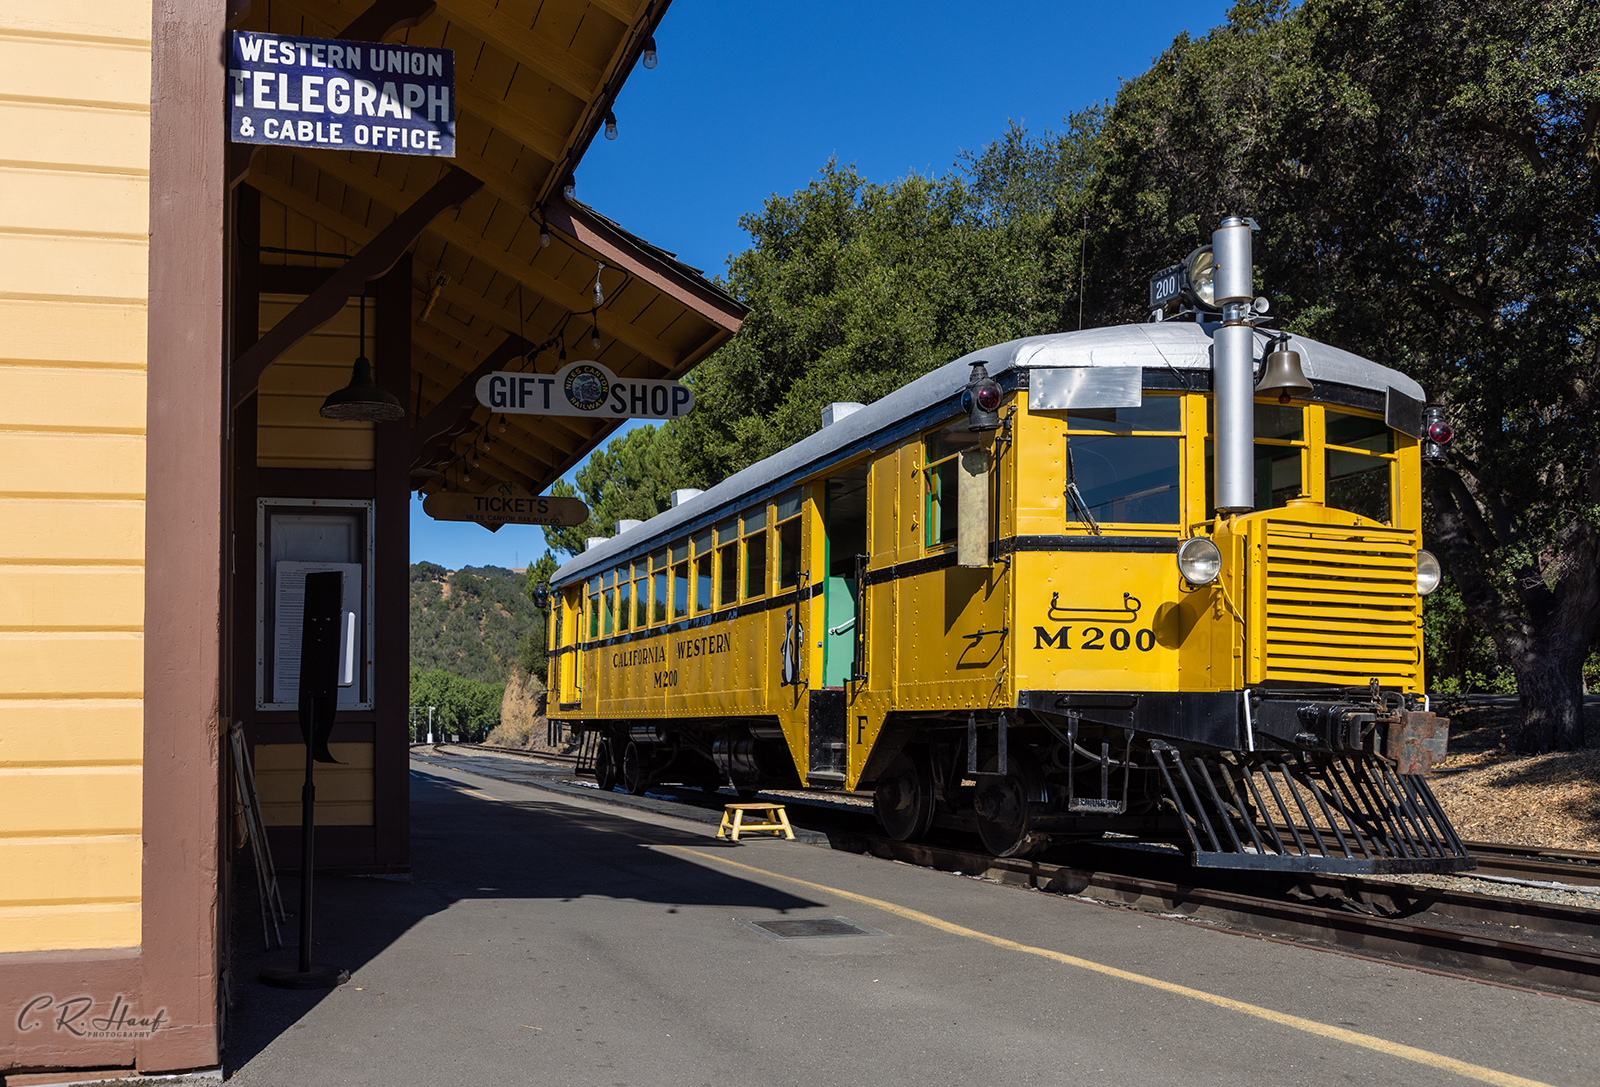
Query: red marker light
(1440, 433)
(988, 394)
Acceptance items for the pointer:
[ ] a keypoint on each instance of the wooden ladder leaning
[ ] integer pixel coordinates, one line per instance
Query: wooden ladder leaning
(273, 916)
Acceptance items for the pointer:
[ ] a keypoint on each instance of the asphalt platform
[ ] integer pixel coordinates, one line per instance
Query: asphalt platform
(548, 936)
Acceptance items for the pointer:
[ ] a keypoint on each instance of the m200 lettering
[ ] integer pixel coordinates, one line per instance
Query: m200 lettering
(1094, 638)
(667, 679)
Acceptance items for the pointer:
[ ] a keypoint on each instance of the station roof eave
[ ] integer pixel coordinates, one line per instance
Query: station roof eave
(534, 83)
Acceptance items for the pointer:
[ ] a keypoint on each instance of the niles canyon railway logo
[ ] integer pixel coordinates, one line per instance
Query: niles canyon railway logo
(85, 1017)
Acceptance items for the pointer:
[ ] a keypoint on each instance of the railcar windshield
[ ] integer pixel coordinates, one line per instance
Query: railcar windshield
(1125, 463)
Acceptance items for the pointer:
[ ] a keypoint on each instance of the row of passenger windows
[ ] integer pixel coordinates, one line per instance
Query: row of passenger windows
(715, 568)
(1123, 465)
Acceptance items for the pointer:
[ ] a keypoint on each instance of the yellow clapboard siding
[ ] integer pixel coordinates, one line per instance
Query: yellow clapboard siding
(291, 433)
(75, 71)
(65, 665)
(51, 398)
(75, 333)
(41, 264)
(106, 139)
(67, 731)
(44, 870)
(63, 928)
(57, 801)
(71, 598)
(80, 18)
(344, 792)
(46, 530)
(70, 200)
(55, 465)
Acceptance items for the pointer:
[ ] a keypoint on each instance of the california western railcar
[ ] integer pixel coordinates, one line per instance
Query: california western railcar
(1063, 586)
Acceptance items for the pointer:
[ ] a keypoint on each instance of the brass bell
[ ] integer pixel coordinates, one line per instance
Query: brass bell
(1282, 373)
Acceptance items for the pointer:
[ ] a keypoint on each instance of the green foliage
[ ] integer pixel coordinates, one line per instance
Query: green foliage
(1462, 658)
(463, 707)
(468, 622)
(631, 478)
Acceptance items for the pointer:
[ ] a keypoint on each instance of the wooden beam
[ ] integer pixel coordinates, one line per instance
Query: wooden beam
(425, 436)
(525, 46)
(522, 127)
(623, 11)
(385, 17)
(622, 251)
(501, 261)
(374, 259)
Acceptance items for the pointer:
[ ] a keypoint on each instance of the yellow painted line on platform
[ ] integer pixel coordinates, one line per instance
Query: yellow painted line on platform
(1309, 1026)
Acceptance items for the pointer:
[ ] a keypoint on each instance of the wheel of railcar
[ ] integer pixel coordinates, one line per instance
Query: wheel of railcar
(1006, 804)
(634, 775)
(605, 767)
(903, 797)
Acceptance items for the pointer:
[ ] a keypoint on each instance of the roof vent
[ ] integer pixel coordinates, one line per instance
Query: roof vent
(594, 541)
(627, 526)
(838, 410)
(682, 496)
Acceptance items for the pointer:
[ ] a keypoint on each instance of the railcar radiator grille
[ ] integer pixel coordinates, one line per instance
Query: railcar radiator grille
(1338, 604)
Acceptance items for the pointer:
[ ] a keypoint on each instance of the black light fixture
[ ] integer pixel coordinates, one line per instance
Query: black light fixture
(649, 59)
(361, 400)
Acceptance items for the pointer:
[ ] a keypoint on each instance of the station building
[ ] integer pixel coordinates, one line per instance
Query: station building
(174, 308)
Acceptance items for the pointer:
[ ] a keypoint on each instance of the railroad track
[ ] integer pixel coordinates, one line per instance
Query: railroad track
(1437, 924)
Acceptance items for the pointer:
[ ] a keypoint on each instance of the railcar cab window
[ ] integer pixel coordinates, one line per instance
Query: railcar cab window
(786, 512)
(661, 564)
(755, 552)
(1126, 462)
(680, 579)
(594, 608)
(941, 462)
(1281, 446)
(1358, 452)
(703, 561)
(624, 597)
(727, 564)
(608, 613)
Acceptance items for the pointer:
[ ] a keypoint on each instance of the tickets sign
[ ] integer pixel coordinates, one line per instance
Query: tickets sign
(353, 96)
(505, 504)
(585, 389)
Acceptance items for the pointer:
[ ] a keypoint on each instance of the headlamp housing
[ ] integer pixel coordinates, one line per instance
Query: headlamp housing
(1199, 560)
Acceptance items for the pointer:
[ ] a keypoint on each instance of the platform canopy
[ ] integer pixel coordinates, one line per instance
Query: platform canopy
(535, 80)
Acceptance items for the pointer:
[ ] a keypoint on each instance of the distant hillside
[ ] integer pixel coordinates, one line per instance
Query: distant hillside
(468, 622)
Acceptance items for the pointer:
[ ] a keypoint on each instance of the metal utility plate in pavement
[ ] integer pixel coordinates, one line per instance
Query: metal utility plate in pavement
(810, 928)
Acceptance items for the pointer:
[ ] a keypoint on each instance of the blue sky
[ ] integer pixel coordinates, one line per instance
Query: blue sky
(751, 99)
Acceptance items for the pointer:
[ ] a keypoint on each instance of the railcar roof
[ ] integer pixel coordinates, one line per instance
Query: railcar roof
(1174, 345)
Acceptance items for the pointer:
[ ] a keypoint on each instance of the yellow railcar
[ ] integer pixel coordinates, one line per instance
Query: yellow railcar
(1003, 598)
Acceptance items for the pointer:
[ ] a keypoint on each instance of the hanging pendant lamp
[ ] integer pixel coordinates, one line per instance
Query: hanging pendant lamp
(361, 400)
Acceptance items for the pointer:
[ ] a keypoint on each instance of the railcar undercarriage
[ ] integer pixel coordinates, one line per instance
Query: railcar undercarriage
(1327, 780)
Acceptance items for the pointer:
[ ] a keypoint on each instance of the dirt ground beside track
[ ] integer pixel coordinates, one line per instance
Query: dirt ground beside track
(1493, 794)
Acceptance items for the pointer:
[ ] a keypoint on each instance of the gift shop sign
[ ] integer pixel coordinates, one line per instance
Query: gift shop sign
(585, 389)
(353, 96)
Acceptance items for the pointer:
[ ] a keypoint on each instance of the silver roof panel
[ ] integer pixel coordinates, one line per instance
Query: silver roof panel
(1175, 345)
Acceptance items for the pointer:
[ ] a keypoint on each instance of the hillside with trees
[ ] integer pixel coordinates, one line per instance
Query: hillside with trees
(1427, 177)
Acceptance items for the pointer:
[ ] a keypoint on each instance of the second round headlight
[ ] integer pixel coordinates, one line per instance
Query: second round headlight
(1199, 561)
(1428, 573)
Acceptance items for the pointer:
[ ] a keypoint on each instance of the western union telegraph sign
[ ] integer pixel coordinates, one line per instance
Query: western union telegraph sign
(353, 96)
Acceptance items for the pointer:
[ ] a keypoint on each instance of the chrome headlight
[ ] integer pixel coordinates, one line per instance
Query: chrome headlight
(1428, 573)
(1199, 561)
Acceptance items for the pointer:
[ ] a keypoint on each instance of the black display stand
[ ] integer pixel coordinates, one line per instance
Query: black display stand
(319, 695)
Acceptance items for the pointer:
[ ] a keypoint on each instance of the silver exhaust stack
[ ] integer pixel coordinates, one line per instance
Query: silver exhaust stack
(1232, 368)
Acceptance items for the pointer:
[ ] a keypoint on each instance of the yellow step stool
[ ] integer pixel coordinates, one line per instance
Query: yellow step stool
(733, 820)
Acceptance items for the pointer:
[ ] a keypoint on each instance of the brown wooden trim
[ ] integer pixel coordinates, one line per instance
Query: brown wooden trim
(391, 797)
(99, 974)
(186, 402)
(310, 483)
(621, 251)
(374, 259)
